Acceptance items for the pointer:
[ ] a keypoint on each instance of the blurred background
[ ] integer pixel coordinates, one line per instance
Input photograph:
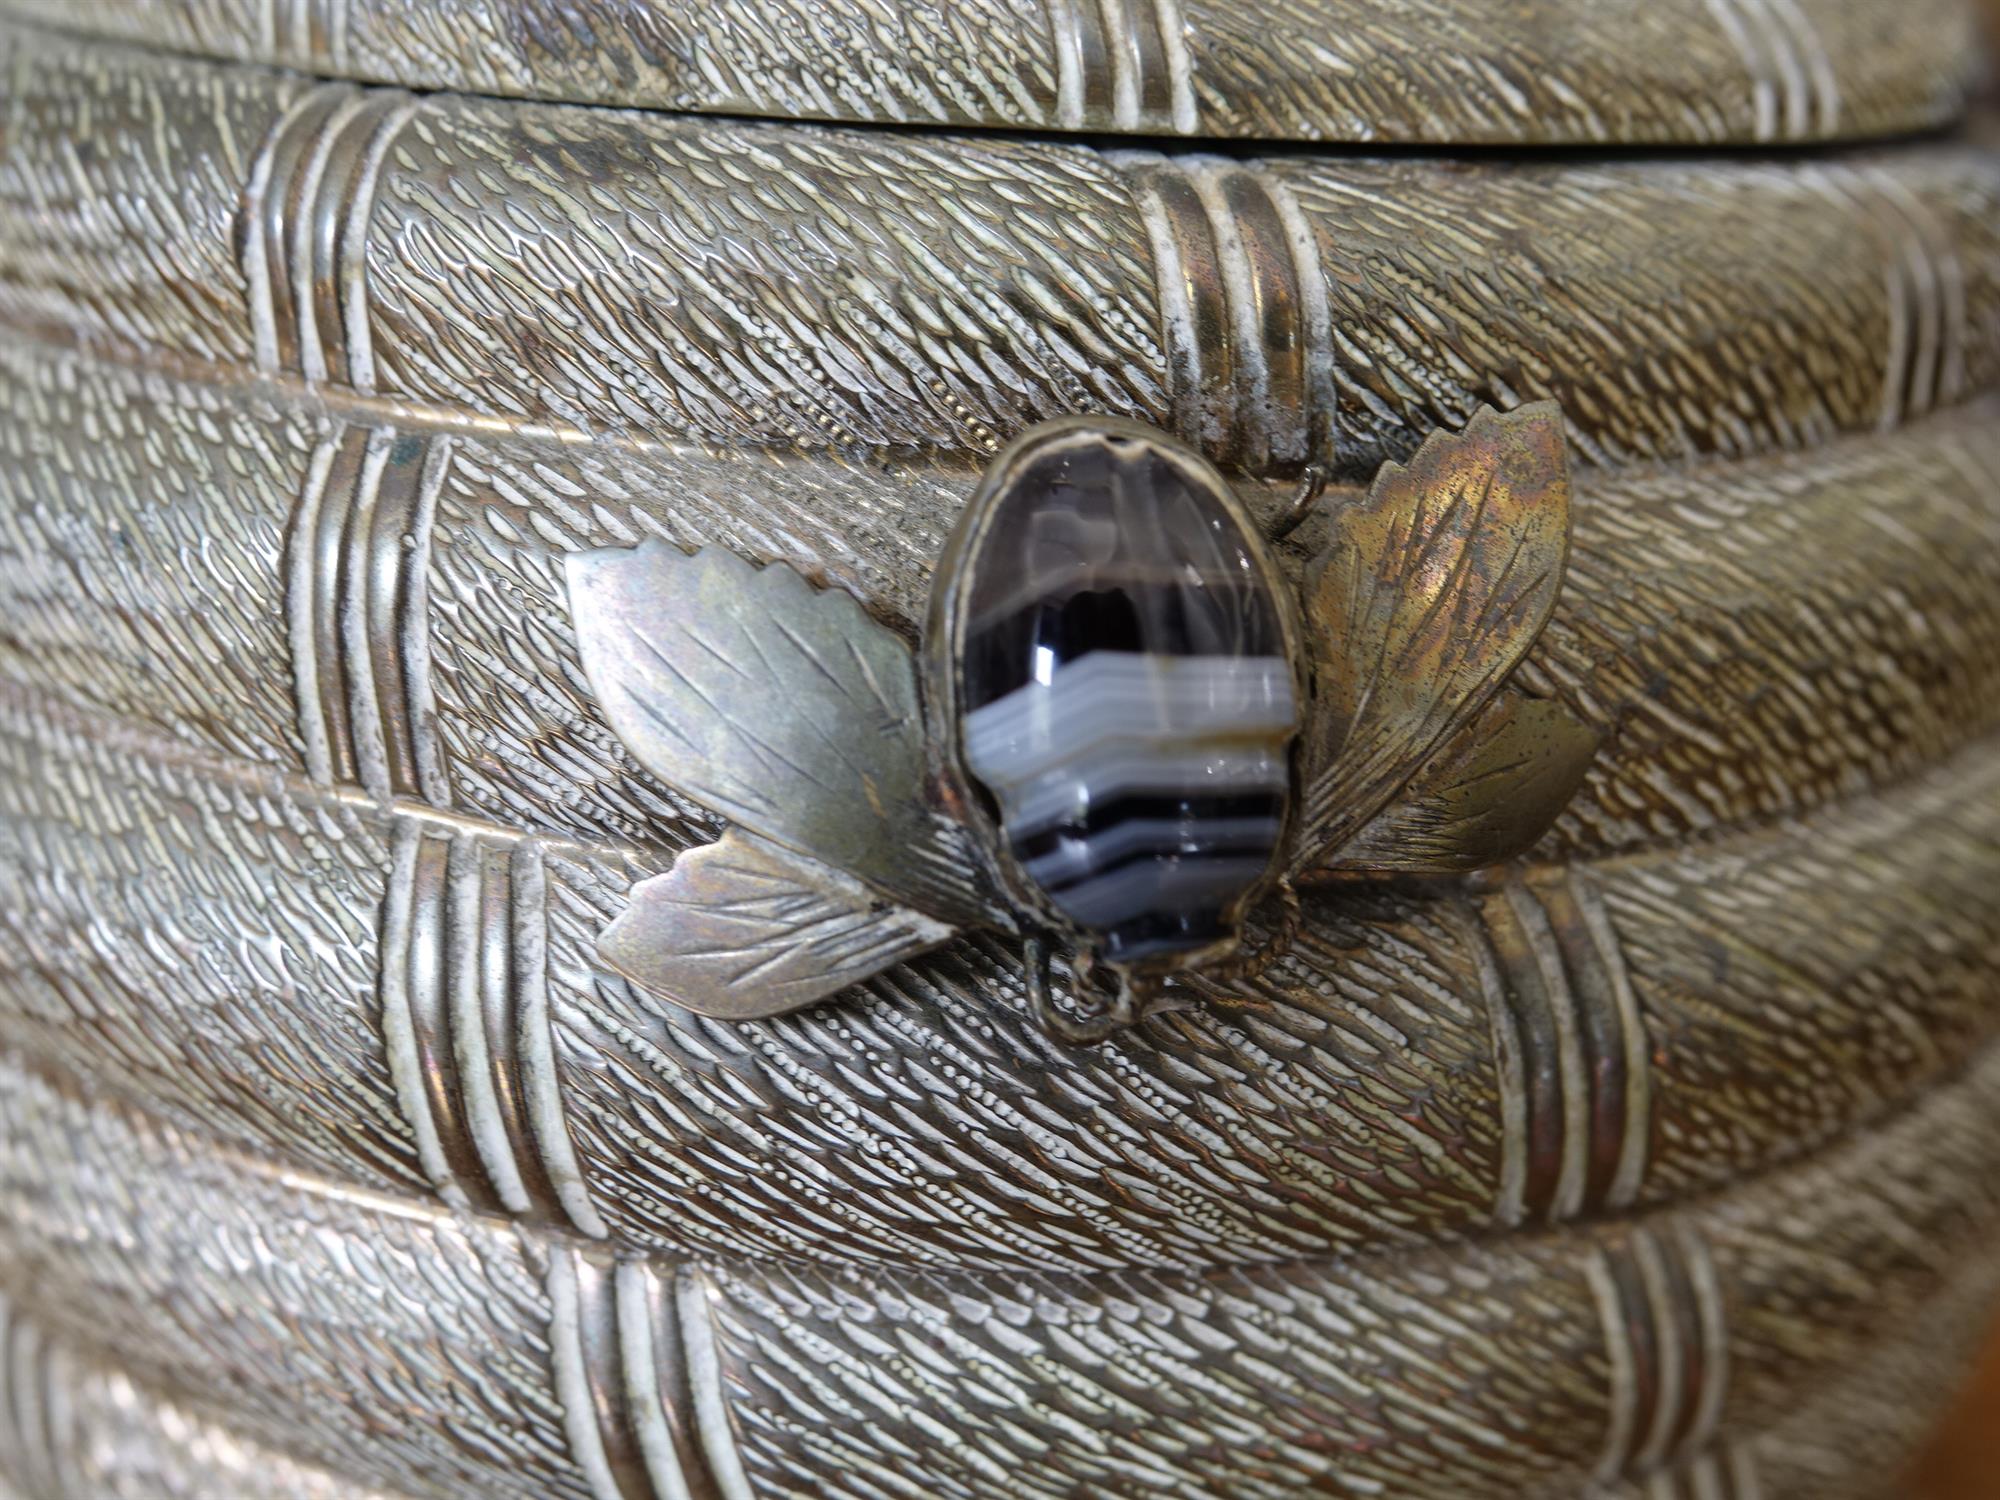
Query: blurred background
(1964, 1461)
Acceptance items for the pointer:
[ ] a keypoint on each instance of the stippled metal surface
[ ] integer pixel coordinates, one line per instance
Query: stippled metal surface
(336, 1163)
(1618, 72)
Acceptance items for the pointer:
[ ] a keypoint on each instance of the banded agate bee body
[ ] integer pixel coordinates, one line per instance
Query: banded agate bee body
(1114, 674)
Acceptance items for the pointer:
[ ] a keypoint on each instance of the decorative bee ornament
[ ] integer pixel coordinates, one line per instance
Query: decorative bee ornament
(1127, 732)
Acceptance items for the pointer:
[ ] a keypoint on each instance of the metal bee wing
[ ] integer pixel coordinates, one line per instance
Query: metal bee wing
(1433, 589)
(1487, 796)
(741, 929)
(788, 711)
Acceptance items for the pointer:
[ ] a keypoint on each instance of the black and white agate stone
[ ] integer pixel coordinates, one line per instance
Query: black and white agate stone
(1124, 689)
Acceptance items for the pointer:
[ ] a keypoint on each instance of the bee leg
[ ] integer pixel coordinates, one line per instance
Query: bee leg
(1275, 946)
(1311, 486)
(1109, 1013)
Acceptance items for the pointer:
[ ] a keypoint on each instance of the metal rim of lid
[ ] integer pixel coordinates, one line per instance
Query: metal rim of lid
(1604, 73)
(903, 293)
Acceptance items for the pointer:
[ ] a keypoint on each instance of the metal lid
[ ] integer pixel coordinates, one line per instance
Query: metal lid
(1601, 72)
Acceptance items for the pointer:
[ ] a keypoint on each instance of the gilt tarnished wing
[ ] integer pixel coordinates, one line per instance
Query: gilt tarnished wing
(781, 707)
(1485, 797)
(1433, 588)
(741, 929)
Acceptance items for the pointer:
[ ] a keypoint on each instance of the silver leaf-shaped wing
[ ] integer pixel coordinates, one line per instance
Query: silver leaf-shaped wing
(1486, 797)
(1433, 588)
(740, 930)
(781, 707)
